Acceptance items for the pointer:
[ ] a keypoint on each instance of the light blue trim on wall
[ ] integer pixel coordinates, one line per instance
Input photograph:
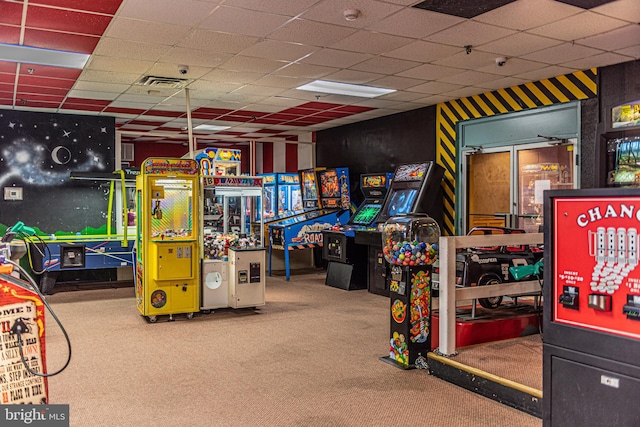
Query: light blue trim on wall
(560, 121)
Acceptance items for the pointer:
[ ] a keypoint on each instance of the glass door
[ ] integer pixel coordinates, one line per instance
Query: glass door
(504, 186)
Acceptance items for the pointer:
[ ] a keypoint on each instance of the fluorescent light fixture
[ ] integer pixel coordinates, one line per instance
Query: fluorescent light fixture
(212, 128)
(345, 89)
(34, 55)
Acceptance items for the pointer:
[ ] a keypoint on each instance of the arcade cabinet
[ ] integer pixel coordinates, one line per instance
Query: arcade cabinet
(347, 261)
(326, 201)
(591, 319)
(415, 188)
(233, 261)
(218, 161)
(166, 274)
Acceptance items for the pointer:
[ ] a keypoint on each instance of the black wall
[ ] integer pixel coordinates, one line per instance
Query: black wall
(378, 145)
(617, 84)
(38, 152)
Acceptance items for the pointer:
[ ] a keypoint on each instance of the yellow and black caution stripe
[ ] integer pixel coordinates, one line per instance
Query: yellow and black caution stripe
(556, 90)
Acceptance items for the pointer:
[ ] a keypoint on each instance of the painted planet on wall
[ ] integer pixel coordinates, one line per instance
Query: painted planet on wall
(61, 155)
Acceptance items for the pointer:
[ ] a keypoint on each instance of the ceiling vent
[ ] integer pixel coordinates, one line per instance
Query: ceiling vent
(163, 82)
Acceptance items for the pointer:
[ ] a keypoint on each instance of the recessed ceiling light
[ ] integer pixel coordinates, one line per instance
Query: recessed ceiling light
(212, 128)
(34, 55)
(345, 89)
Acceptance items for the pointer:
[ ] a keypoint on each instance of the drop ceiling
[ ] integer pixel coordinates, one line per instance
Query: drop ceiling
(245, 58)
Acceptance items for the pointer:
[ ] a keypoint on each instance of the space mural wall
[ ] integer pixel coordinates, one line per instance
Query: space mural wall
(38, 152)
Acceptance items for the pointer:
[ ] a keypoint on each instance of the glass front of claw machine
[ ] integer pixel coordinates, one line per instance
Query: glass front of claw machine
(167, 247)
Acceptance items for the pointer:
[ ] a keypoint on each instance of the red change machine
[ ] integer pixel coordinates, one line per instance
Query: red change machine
(591, 340)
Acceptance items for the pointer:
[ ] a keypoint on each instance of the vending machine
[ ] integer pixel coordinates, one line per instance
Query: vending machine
(410, 246)
(167, 274)
(591, 340)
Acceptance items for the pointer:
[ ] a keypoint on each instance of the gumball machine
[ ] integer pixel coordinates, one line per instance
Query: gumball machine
(410, 246)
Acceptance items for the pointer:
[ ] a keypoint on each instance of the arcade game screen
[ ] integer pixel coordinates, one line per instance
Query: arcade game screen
(366, 214)
(309, 188)
(329, 185)
(623, 161)
(401, 201)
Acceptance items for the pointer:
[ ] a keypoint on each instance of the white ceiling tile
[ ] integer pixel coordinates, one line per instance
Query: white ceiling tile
(305, 70)
(562, 53)
(396, 82)
(371, 42)
(332, 11)
(183, 12)
(403, 96)
(106, 96)
(415, 23)
(277, 50)
(469, 78)
(108, 77)
(384, 65)
(335, 58)
(285, 82)
(213, 41)
(112, 63)
(469, 33)
(311, 33)
(602, 60)
(259, 90)
(435, 87)
(95, 86)
(435, 99)
(424, 51)
(633, 51)
(128, 49)
(430, 72)
(518, 44)
(466, 91)
(146, 31)
(467, 61)
(511, 67)
(526, 14)
(352, 76)
(195, 57)
(502, 83)
(255, 65)
(379, 103)
(259, 24)
(282, 7)
(544, 73)
(228, 76)
(614, 40)
(578, 26)
(627, 10)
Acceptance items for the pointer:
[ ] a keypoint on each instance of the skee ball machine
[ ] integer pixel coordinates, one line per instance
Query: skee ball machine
(167, 261)
(591, 341)
(410, 246)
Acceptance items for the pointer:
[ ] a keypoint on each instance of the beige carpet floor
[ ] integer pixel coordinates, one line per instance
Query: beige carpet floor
(307, 358)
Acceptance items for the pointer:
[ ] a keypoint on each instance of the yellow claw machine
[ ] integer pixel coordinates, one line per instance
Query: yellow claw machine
(167, 245)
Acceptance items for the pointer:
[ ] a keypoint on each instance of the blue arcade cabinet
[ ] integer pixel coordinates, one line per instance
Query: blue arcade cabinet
(326, 201)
